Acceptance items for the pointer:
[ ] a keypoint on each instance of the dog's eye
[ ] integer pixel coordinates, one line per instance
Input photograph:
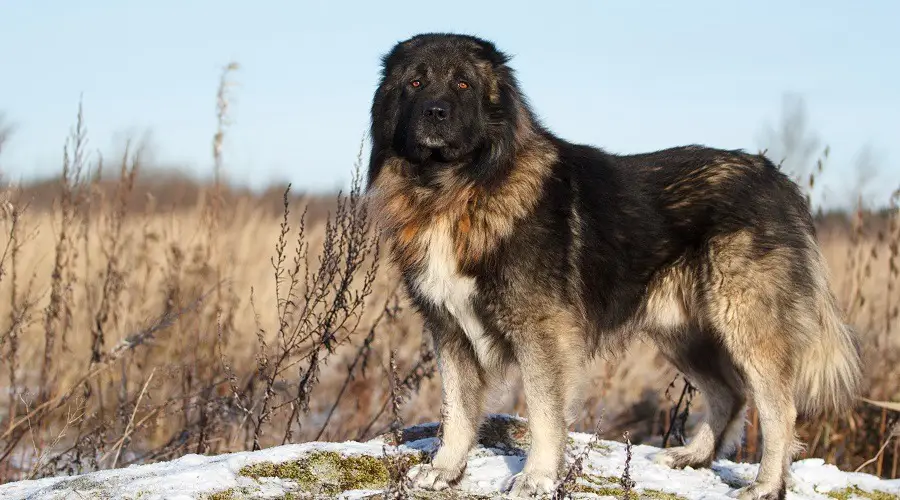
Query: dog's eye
(462, 85)
(415, 84)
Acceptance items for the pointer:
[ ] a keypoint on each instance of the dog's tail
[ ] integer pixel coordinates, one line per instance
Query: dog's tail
(828, 373)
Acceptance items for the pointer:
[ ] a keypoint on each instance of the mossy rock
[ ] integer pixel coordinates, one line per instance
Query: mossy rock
(610, 486)
(330, 473)
(857, 492)
(613, 491)
(237, 493)
(437, 495)
(228, 494)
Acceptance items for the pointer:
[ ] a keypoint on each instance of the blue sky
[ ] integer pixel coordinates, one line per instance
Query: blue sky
(628, 76)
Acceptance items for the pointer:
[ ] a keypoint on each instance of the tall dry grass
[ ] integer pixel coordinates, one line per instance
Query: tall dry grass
(139, 325)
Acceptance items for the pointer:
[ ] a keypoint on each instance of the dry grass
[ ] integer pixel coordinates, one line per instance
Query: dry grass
(134, 329)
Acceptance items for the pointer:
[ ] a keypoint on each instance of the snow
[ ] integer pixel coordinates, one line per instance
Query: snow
(490, 467)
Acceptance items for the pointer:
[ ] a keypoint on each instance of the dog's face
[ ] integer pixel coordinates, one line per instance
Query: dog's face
(438, 99)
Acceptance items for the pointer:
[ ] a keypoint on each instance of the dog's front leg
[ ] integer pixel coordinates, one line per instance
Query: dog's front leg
(463, 383)
(539, 358)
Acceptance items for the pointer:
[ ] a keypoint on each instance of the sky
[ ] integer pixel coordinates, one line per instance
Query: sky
(623, 75)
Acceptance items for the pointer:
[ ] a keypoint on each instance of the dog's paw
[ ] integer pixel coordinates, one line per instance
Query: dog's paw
(531, 484)
(664, 458)
(759, 492)
(429, 477)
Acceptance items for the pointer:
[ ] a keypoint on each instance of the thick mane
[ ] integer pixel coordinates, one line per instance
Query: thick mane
(479, 197)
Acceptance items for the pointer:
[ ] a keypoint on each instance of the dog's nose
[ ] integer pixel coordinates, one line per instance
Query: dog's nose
(437, 110)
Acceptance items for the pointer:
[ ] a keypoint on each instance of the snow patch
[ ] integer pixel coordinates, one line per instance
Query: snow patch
(498, 457)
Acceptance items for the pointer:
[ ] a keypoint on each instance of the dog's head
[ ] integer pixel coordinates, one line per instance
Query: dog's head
(447, 100)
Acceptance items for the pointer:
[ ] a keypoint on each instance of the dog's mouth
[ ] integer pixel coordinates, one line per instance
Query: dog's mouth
(435, 145)
(432, 142)
(437, 148)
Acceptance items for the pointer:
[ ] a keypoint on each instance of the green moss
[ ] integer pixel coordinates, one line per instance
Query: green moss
(236, 493)
(614, 491)
(609, 486)
(659, 495)
(245, 493)
(599, 480)
(330, 473)
(596, 447)
(441, 495)
(221, 495)
(604, 491)
(855, 491)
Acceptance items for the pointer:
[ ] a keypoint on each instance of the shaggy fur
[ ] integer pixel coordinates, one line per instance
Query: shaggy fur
(520, 247)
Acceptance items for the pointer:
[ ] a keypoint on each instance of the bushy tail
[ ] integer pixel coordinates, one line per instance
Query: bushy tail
(829, 372)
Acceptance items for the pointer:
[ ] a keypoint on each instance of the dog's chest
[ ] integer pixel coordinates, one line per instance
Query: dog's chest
(441, 283)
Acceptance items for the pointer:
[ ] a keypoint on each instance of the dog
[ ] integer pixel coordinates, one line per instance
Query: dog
(519, 247)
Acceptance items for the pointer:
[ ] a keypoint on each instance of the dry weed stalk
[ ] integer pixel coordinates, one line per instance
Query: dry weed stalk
(5, 132)
(398, 486)
(222, 315)
(111, 247)
(21, 305)
(58, 314)
(678, 415)
(361, 359)
(318, 307)
(104, 280)
(626, 481)
(16, 428)
(892, 310)
(423, 369)
(576, 468)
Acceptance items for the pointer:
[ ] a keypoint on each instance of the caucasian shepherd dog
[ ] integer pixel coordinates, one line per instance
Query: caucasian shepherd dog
(520, 247)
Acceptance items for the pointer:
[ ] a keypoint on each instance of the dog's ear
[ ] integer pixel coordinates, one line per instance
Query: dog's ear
(487, 51)
(399, 52)
(383, 113)
(392, 58)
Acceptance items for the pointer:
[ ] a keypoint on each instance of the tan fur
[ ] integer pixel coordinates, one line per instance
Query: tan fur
(791, 350)
(463, 387)
(709, 176)
(669, 299)
(745, 297)
(493, 87)
(829, 375)
(480, 220)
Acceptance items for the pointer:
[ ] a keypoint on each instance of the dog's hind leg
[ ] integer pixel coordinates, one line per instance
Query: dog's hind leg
(756, 303)
(705, 364)
(774, 399)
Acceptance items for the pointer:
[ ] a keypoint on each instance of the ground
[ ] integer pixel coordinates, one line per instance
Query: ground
(354, 470)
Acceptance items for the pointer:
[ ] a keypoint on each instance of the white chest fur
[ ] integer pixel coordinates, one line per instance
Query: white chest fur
(442, 284)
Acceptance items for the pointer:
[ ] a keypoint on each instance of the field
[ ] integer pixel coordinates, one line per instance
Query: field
(147, 316)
